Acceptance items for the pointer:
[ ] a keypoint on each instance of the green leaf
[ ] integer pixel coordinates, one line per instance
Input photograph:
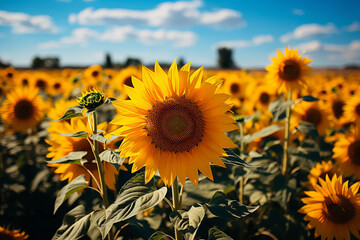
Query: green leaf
(220, 206)
(72, 112)
(110, 99)
(308, 129)
(75, 224)
(262, 133)
(73, 157)
(98, 137)
(188, 222)
(112, 138)
(159, 236)
(234, 159)
(216, 234)
(82, 134)
(134, 197)
(112, 157)
(70, 188)
(309, 98)
(278, 108)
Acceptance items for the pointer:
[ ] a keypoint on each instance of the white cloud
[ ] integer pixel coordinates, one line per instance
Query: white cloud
(354, 27)
(349, 52)
(81, 36)
(23, 23)
(298, 12)
(257, 40)
(174, 14)
(309, 30)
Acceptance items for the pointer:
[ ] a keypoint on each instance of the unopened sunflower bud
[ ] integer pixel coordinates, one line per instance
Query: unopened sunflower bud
(91, 99)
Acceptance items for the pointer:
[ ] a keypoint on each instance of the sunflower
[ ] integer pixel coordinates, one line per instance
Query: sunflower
(16, 234)
(347, 151)
(320, 171)
(333, 209)
(262, 96)
(92, 76)
(57, 112)
(288, 71)
(174, 123)
(22, 109)
(40, 81)
(352, 109)
(59, 86)
(61, 146)
(312, 112)
(22, 79)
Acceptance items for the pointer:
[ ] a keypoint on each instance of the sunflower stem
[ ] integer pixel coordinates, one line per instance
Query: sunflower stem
(101, 171)
(286, 137)
(242, 149)
(176, 204)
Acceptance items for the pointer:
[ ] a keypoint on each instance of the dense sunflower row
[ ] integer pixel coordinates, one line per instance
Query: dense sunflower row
(174, 122)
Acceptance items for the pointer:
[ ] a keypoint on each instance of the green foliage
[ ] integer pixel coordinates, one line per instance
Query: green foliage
(262, 133)
(75, 224)
(309, 98)
(308, 129)
(73, 157)
(112, 157)
(98, 137)
(234, 159)
(188, 222)
(222, 207)
(70, 188)
(216, 234)
(72, 112)
(159, 236)
(278, 108)
(134, 197)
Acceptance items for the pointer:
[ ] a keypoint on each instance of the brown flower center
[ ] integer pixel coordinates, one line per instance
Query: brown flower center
(352, 92)
(57, 85)
(128, 82)
(340, 210)
(354, 152)
(175, 125)
(40, 83)
(234, 88)
(290, 71)
(24, 109)
(95, 73)
(83, 145)
(264, 98)
(9, 75)
(25, 82)
(313, 115)
(337, 108)
(357, 109)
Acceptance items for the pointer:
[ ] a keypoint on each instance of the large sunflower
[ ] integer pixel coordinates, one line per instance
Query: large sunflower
(22, 109)
(289, 70)
(61, 146)
(333, 209)
(347, 151)
(174, 123)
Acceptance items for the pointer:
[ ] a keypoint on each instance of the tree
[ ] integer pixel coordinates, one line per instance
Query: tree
(225, 59)
(37, 62)
(108, 62)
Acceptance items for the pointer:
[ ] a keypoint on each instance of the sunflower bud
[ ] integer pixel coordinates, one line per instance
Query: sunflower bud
(91, 99)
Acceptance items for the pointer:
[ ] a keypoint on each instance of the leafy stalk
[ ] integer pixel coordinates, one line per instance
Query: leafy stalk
(101, 170)
(176, 204)
(286, 136)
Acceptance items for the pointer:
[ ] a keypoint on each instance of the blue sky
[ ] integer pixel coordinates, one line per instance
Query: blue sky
(81, 31)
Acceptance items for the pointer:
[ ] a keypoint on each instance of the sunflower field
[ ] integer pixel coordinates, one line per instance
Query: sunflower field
(180, 153)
